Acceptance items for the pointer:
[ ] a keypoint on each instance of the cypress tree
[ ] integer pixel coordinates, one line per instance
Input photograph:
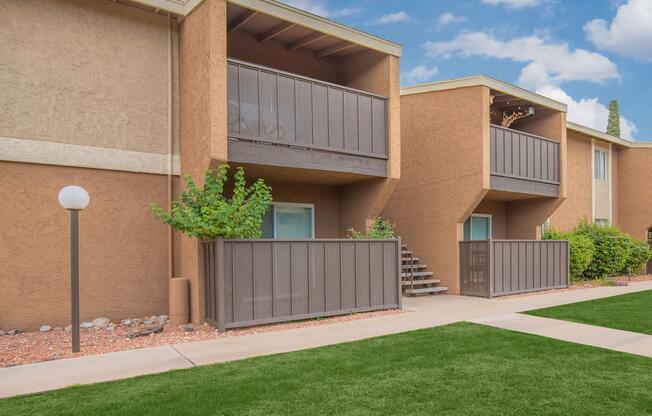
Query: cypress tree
(613, 122)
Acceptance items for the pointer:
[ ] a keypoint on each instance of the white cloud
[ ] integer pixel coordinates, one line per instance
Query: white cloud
(448, 18)
(318, 7)
(628, 34)
(397, 17)
(547, 62)
(588, 111)
(513, 4)
(420, 73)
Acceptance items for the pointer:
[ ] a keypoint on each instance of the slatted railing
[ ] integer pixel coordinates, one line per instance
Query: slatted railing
(519, 155)
(267, 105)
(253, 282)
(503, 267)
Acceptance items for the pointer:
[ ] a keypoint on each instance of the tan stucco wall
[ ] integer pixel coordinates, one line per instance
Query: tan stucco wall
(578, 203)
(634, 191)
(123, 247)
(444, 174)
(203, 118)
(86, 72)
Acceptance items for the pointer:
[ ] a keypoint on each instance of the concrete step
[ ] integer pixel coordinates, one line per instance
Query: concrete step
(415, 274)
(407, 259)
(421, 282)
(414, 266)
(425, 290)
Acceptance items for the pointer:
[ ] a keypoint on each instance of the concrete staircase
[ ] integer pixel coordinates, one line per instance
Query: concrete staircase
(415, 278)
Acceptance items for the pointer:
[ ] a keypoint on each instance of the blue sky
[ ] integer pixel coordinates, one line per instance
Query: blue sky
(582, 52)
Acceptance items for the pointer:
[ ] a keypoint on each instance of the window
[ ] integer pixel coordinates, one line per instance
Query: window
(477, 227)
(601, 161)
(545, 226)
(289, 221)
(602, 222)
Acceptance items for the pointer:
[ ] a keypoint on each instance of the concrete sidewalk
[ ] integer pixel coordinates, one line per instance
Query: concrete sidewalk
(422, 312)
(596, 336)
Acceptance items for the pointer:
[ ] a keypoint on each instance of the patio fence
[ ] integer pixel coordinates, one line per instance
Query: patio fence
(254, 282)
(491, 268)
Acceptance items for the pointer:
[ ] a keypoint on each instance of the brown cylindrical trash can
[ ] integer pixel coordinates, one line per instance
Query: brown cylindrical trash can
(179, 301)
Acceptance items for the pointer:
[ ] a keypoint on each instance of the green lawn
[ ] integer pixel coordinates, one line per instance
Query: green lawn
(631, 312)
(458, 369)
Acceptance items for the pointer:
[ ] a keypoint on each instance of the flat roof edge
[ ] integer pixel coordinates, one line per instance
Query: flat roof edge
(290, 14)
(588, 131)
(483, 80)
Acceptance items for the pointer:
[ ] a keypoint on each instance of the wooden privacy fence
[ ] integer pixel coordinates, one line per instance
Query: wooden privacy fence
(253, 282)
(502, 267)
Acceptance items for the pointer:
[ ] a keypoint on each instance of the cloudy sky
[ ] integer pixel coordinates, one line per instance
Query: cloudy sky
(581, 52)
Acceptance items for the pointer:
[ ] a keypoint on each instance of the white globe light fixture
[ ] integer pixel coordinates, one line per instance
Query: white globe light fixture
(74, 198)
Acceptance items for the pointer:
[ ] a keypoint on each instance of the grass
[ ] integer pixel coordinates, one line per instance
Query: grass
(630, 312)
(460, 369)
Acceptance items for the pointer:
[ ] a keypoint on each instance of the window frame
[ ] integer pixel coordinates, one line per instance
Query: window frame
(274, 205)
(470, 219)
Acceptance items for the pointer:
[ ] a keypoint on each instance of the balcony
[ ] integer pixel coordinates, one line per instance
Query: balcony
(523, 163)
(281, 119)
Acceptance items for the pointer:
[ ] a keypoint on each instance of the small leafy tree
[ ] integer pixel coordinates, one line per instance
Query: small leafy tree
(207, 213)
(613, 122)
(378, 230)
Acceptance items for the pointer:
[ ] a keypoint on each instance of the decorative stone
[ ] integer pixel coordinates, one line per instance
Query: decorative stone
(87, 324)
(68, 328)
(126, 322)
(2, 332)
(101, 322)
(45, 328)
(110, 327)
(163, 319)
(148, 321)
(188, 327)
(14, 331)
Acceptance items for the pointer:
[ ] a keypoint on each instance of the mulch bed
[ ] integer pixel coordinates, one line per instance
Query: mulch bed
(31, 347)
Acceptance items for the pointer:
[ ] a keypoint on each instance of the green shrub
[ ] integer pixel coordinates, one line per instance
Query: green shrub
(612, 249)
(378, 230)
(207, 213)
(640, 254)
(581, 250)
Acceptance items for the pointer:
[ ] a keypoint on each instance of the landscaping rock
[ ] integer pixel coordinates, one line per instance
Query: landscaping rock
(87, 324)
(14, 331)
(2, 332)
(126, 322)
(149, 321)
(110, 327)
(162, 319)
(68, 328)
(45, 328)
(188, 327)
(101, 323)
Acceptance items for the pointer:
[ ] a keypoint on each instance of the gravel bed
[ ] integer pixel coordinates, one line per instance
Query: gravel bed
(31, 347)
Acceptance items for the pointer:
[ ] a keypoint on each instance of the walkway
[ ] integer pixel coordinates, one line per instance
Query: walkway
(597, 336)
(420, 313)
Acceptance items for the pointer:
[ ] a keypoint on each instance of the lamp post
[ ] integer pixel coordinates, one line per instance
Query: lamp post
(74, 199)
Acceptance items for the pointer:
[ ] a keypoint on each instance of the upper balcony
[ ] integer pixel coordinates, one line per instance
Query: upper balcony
(283, 119)
(523, 162)
(309, 94)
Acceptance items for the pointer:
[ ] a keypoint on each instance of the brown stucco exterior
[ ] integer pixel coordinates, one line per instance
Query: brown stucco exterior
(635, 191)
(123, 247)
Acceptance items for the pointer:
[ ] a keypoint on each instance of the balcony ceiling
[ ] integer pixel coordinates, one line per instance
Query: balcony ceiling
(268, 28)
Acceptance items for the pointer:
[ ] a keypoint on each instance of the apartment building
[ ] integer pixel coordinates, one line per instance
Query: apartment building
(123, 97)
(474, 195)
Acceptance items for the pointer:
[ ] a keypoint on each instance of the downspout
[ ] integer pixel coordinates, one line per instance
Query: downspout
(170, 156)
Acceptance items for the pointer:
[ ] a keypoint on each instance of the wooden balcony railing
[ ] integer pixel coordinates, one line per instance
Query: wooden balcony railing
(271, 106)
(519, 155)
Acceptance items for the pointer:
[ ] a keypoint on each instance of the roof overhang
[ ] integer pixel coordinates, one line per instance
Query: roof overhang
(492, 83)
(290, 14)
(588, 131)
